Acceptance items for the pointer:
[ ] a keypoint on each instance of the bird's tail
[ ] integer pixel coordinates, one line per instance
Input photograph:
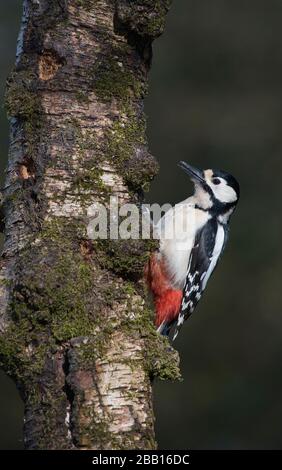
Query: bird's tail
(164, 328)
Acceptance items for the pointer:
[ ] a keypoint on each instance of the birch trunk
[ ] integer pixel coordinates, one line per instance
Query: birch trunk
(76, 331)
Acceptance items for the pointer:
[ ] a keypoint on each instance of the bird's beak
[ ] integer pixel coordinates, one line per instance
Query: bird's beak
(195, 174)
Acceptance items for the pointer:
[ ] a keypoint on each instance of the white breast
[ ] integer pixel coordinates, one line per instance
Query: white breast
(177, 230)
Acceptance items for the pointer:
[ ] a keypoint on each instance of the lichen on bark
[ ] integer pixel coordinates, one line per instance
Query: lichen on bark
(77, 332)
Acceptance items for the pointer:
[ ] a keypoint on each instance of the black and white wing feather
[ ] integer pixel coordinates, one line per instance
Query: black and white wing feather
(208, 246)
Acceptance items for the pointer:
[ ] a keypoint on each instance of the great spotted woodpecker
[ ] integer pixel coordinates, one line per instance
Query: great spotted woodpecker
(192, 237)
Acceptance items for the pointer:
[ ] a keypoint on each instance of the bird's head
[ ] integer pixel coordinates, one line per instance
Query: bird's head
(214, 189)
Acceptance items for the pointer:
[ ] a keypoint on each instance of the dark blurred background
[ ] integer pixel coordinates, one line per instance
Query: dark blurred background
(215, 101)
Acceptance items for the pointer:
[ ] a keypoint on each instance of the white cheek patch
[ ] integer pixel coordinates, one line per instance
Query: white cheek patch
(222, 191)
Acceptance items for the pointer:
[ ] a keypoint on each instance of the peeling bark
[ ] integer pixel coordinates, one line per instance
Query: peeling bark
(76, 330)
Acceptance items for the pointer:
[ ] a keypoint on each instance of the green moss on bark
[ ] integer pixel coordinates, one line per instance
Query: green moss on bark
(23, 102)
(144, 17)
(126, 147)
(86, 4)
(114, 79)
(127, 258)
(21, 99)
(160, 359)
(51, 301)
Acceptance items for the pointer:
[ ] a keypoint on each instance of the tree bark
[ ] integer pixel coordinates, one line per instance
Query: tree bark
(76, 329)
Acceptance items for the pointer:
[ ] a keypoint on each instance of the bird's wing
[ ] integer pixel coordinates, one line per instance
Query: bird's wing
(208, 246)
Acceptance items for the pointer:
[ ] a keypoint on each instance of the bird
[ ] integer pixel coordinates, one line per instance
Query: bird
(192, 237)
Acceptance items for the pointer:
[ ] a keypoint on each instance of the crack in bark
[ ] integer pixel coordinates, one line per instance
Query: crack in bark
(70, 398)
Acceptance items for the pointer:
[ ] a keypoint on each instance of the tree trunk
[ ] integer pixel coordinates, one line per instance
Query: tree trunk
(76, 330)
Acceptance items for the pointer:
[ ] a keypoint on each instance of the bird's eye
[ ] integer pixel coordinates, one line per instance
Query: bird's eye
(216, 181)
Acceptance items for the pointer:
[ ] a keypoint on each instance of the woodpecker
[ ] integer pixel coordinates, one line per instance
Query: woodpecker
(192, 235)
